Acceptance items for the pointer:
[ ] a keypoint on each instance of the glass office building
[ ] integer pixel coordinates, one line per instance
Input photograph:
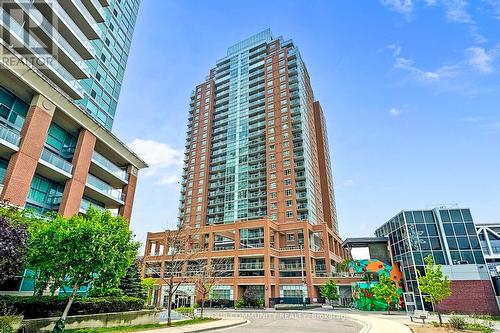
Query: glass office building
(448, 235)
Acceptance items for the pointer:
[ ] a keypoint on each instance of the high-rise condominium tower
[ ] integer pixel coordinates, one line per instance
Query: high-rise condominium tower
(257, 179)
(56, 151)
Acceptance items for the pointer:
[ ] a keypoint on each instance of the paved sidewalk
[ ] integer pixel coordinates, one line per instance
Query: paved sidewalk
(373, 323)
(202, 327)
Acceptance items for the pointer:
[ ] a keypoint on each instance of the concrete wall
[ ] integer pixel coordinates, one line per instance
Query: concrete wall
(95, 320)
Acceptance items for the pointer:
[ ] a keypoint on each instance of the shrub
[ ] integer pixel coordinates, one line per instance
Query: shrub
(53, 306)
(261, 303)
(239, 303)
(103, 292)
(9, 324)
(185, 311)
(484, 328)
(457, 323)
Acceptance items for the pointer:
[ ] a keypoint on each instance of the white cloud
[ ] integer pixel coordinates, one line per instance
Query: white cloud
(496, 8)
(400, 6)
(456, 11)
(164, 161)
(395, 112)
(395, 48)
(440, 73)
(481, 60)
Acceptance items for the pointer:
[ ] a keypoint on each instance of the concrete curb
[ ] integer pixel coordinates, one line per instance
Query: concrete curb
(201, 327)
(220, 327)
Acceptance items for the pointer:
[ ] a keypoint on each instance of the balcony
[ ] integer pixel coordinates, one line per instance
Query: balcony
(67, 27)
(85, 205)
(108, 171)
(82, 17)
(48, 35)
(39, 58)
(103, 192)
(9, 138)
(251, 266)
(54, 166)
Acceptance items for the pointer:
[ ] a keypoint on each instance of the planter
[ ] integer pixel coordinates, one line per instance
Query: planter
(129, 318)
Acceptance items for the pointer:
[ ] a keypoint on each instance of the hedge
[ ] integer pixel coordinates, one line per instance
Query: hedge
(53, 306)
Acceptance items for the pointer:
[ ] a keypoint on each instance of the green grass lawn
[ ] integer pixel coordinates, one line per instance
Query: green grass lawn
(140, 327)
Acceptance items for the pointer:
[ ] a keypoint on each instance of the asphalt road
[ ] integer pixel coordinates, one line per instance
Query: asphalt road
(290, 322)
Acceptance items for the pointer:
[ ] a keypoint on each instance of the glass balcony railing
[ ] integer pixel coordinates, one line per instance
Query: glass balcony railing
(85, 205)
(39, 51)
(63, 15)
(105, 188)
(109, 166)
(47, 27)
(56, 160)
(10, 135)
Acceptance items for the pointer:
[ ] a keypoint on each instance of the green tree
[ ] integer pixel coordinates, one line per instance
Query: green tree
(434, 286)
(81, 250)
(330, 291)
(13, 240)
(148, 285)
(130, 284)
(387, 290)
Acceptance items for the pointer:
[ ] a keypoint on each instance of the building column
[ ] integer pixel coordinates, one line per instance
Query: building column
(129, 190)
(22, 165)
(307, 262)
(73, 190)
(267, 263)
(236, 263)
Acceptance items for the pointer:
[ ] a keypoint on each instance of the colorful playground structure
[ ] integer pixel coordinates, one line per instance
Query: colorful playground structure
(362, 293)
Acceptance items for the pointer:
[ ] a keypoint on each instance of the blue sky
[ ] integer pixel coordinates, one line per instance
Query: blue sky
(410, 91)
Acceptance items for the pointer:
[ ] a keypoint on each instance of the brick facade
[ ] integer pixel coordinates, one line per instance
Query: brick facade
(22, 165)
(129, 190)
(471, 296)
(73, 191)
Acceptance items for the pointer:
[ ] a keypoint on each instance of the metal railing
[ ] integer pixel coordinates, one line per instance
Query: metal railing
(251, 266)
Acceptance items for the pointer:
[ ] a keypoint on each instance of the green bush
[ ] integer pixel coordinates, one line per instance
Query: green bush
(185, 311)
(9, 324)
(53, 306)
(239, 303)
(457, 323)
(104, 292)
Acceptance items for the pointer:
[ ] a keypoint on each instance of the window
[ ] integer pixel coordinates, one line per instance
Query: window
(289, 214)
(288, 193)
(290, 237)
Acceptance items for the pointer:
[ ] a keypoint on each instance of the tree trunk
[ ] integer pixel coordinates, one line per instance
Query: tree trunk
(70, 302)
(202, 306)
(169, 309)
(439, 315)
